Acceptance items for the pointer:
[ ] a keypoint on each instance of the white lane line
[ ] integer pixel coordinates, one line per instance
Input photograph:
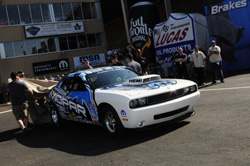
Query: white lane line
(5, 111)
(204, 90)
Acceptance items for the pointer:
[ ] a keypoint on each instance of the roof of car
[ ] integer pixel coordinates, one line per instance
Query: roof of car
(83, 73)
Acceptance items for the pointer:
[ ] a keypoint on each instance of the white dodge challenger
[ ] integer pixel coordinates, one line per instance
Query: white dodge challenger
(117, 98)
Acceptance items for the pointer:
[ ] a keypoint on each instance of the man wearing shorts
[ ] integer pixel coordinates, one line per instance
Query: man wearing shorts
(18, 90)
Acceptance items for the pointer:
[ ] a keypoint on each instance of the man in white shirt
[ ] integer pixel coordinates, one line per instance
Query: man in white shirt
(216, 61)
(198, 61)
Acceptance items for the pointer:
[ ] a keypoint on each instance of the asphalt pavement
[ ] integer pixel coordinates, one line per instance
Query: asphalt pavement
(217, 135)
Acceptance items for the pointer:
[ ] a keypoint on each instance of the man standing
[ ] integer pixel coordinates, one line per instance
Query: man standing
(115, 61)
(143, 62)
(18, 90)
(198, 61)
(180, 61)
(133, 64)
(86, 64)
(216, 61)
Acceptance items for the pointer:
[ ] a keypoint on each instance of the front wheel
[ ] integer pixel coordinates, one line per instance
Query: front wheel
(111, 123)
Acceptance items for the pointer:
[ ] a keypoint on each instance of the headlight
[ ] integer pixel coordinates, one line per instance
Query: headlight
(133, 103)
(142, 101)
(186, 90)
(138, 102)
(192, 88)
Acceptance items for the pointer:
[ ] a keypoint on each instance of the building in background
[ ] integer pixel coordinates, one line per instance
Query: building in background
(50, 37)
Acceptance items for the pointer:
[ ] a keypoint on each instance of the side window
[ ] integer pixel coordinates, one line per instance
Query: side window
(78, 85)
(73, 84)
(65, 84)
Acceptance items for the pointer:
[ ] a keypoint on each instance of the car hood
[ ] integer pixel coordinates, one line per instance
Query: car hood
(145, 86)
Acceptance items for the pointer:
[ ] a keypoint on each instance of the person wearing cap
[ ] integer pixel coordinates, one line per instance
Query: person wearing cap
(115, 61)
(86, 64)
(19, 101)
(133, 64)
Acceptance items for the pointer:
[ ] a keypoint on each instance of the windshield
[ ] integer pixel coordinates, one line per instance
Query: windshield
(109, 78)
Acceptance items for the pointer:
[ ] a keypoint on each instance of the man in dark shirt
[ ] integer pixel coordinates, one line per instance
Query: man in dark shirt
(115, 61)
(143, 62)
(18, 90)
(180, 61)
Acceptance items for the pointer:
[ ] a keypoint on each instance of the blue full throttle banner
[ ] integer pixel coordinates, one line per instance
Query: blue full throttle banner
(229, 25)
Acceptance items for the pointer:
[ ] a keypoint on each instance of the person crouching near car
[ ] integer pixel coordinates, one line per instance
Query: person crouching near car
(19, 101)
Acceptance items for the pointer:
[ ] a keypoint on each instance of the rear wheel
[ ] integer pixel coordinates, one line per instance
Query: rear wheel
(111, 123)
(55, 117)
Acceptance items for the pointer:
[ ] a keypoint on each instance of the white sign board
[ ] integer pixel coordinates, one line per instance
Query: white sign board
(94, 60)
(53, 29)
(172, 34)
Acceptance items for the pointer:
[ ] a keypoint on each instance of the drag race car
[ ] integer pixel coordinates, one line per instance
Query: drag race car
(118, 97)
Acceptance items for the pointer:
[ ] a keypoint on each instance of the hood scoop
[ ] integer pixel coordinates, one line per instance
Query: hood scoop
(142, 80)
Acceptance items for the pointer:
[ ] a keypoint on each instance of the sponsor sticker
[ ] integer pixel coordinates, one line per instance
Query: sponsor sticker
(123, 113)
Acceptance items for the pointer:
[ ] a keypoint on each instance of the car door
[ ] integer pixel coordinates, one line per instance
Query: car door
(81, 103)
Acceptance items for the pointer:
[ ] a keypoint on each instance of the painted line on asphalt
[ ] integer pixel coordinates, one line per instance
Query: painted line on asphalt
(5, 111)
(218, 89)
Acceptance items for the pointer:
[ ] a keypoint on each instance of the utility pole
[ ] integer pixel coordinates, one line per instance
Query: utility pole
(124, 4)
(168, 7)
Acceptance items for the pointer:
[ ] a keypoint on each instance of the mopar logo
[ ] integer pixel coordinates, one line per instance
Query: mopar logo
(62, 101)
(63, 64)
(123, 113)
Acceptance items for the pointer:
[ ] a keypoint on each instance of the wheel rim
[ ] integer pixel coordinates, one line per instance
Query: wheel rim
(54, 116)
(110, 122)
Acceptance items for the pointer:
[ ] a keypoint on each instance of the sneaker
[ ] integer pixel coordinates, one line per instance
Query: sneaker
(214, 82)
(24, 132)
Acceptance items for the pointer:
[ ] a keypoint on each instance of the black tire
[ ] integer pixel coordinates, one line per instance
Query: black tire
(112, 123)
(56, 118)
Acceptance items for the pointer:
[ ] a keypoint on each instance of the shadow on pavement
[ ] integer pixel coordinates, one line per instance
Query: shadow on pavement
(87, 140)
(10, 134)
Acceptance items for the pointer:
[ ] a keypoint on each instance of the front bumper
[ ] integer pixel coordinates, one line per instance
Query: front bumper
(162, 112)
